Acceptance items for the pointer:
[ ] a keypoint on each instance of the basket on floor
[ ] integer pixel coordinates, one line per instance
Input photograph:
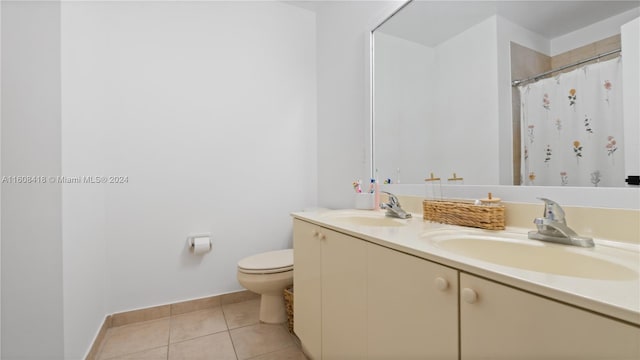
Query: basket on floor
(288, 300)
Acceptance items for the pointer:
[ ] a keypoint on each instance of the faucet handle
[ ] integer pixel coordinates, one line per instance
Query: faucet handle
(553, 211)
(393, 207)
(393, 200)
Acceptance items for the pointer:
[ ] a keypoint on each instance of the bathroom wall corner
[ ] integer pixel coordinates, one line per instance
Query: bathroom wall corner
(31, 222)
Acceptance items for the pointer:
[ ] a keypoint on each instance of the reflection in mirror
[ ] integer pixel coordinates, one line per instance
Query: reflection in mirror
(444, 101)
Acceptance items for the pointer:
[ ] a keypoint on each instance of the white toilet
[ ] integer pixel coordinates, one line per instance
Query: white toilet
(268, 274)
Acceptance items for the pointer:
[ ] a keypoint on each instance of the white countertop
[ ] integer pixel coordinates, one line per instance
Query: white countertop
(618, 298)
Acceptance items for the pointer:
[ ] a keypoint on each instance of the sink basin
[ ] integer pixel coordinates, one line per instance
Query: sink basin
(534, 255)
(365, 218)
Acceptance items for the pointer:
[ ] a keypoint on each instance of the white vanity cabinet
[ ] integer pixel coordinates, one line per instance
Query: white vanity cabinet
(330, 292)
(344, 296)
(357, 300)
(307, 287)
(412, 307)
(500, 322)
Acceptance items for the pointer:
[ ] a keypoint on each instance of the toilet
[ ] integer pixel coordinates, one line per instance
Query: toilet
(268, 274)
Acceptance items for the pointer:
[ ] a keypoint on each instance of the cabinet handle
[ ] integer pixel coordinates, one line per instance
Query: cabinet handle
(322, 236)
(315, 232)
(469, 295)
(441, 283)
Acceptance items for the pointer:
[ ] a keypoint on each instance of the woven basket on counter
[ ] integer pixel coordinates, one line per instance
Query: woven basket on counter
(490, 217)
(288, 300)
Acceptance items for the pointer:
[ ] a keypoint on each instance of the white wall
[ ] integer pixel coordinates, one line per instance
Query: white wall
(630, 33)
(405, 85)
(466, 104)
(32, 296)
(598, 31)
(85, 118)
(0, 183)
(209, 108)
(343, 29)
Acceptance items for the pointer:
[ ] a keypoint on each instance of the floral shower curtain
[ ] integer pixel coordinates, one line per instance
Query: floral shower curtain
(572, 128)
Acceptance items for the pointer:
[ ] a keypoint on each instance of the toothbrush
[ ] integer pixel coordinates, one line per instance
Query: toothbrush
(356, 186)
(372, 186)
(376, 191)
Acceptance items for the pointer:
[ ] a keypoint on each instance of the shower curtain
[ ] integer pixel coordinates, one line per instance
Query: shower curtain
(572, 128)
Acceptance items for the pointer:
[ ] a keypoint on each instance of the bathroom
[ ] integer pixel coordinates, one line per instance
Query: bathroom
(217, 117)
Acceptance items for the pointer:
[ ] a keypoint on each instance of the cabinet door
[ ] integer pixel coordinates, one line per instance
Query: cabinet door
(412, 307)
(307, 287)
(499, 322)
(343, 296)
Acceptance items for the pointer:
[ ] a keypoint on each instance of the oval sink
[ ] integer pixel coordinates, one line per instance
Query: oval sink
(364, 218)
(536, 256)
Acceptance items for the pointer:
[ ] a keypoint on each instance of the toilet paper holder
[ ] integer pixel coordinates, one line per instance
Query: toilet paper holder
(191, 238)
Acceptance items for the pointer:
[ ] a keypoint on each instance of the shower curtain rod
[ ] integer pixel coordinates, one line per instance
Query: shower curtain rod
(518, 82)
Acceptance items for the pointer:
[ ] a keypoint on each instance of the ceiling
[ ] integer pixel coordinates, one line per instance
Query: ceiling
(432, 22)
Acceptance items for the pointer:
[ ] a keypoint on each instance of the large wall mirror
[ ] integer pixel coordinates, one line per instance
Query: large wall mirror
(540, 93)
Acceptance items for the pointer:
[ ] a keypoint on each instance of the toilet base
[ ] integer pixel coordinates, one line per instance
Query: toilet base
(272, 309)
(271, 289)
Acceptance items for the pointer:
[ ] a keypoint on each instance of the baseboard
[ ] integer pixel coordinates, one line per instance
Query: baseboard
(95, 347)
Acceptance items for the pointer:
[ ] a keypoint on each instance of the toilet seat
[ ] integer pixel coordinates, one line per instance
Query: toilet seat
(267, 263)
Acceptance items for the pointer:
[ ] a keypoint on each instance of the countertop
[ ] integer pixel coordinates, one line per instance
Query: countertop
(619, 298)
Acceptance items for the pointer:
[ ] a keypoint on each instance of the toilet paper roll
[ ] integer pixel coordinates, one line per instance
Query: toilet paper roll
(201, 245)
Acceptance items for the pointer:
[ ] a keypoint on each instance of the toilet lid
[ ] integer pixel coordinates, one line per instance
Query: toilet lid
(268, 262)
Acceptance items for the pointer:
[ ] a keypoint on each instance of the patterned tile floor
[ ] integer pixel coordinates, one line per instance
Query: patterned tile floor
(230, 331)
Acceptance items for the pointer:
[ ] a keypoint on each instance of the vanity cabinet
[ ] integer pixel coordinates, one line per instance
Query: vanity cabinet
(344, 295)
(330, 292)
(412, 307)
(355, 300)
(307, 284)
(500, 322)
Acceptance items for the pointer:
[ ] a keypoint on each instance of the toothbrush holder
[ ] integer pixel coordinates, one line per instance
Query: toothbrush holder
(365, 201)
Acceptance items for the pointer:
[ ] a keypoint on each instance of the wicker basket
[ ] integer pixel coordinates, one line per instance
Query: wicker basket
(288, 300)
(464, 214)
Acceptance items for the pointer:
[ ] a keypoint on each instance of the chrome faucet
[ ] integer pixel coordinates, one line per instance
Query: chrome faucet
(393, 207)
(553, 227)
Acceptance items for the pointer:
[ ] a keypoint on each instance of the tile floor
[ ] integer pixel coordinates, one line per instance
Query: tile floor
(230, 331)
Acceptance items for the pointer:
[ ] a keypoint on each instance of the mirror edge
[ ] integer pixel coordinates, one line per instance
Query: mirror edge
(372, 170)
